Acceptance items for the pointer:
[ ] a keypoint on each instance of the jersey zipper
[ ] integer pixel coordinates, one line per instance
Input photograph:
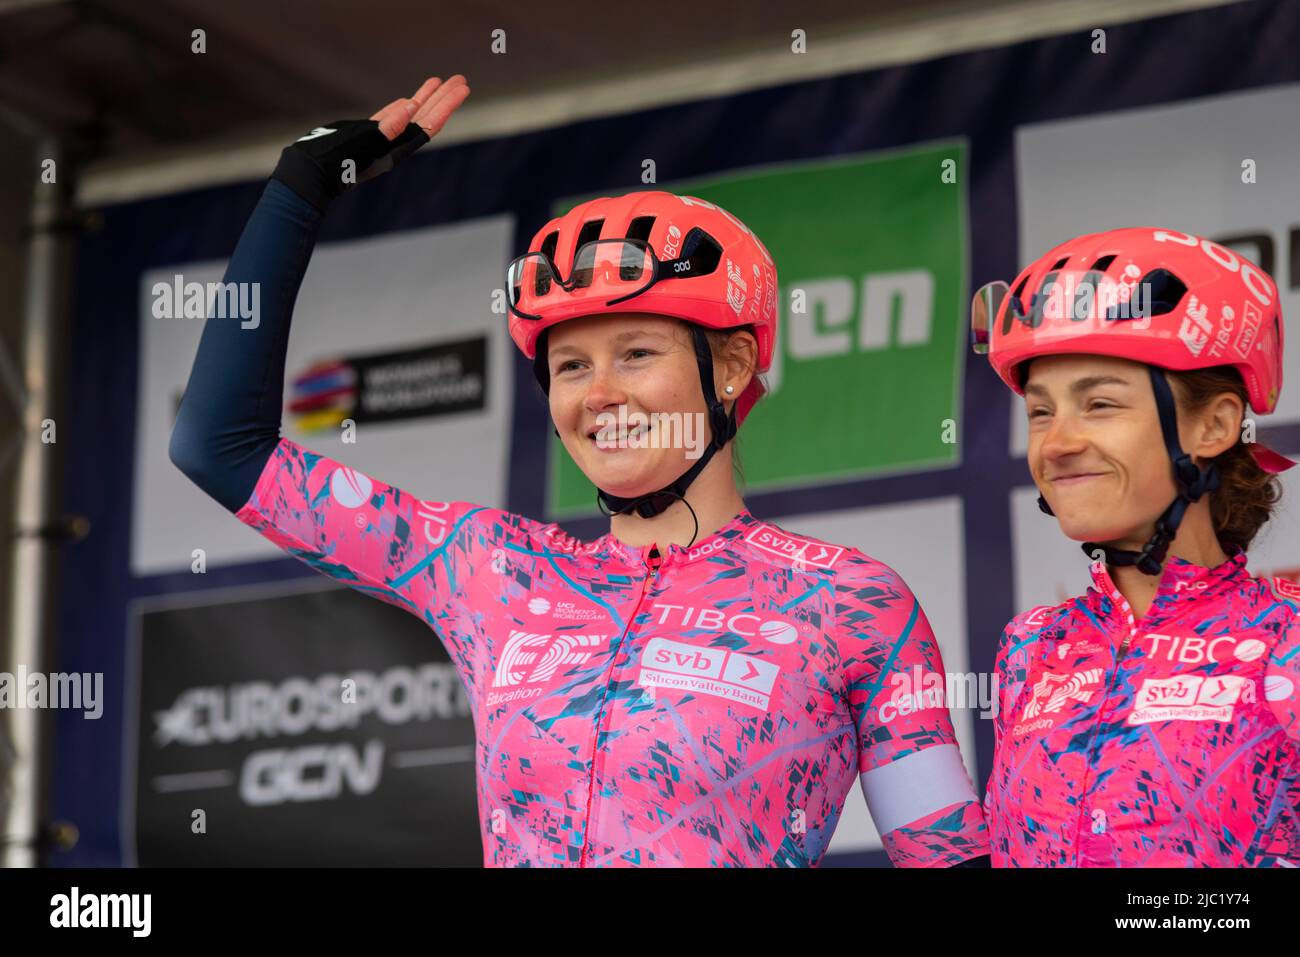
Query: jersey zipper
(652, 562)
(1084, 809)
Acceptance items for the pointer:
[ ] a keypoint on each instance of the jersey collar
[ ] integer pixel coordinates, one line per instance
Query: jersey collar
(1181, 582)
(718, 543)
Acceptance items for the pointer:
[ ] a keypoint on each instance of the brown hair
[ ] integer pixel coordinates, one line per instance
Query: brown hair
(1247, 494)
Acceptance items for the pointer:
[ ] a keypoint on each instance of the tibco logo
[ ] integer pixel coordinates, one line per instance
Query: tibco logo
(528, 658)
(746, 624)
(673, 243)
(1196, 650)
(1278, 688)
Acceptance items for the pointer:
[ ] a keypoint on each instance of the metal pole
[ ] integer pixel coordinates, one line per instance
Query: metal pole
(21, 801)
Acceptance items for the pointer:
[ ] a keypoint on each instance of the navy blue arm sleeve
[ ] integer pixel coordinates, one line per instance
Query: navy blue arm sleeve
(229, 419)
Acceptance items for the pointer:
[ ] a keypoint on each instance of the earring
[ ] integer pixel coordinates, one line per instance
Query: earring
(729, 389)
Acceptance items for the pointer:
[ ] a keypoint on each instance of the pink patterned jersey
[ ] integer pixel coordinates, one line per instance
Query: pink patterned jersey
(701, 707)
(1170, 741)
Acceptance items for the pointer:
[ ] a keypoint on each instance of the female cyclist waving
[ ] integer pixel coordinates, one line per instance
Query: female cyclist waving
(697, 687)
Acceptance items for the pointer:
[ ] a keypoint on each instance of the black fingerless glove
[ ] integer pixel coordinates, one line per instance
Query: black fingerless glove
(314, 166)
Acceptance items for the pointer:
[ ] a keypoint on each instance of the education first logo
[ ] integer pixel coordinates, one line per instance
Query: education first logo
(872, 260)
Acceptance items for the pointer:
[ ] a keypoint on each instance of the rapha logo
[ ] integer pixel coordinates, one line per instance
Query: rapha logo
(529, 658)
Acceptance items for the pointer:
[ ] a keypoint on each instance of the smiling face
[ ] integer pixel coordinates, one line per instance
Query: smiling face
(622, 369)
(1096, 452)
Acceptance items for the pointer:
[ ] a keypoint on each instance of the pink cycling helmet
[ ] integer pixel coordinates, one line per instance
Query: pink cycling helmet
(654, 252)
(1167, 299)
(1208, 306)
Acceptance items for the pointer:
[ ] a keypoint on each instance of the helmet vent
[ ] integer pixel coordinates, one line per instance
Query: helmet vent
(1164, 291)
(542, 282)
(1102, 264)
(703, 252)
(1059, 263)
(549, 243)
(590, 231)
(640, 228)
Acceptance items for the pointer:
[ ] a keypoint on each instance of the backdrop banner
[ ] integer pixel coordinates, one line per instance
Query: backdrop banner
(885, 197)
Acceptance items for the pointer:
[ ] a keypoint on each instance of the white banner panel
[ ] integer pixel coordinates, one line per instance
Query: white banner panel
(384, 294)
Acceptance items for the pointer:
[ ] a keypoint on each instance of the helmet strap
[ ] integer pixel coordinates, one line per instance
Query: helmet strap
(1192, 482)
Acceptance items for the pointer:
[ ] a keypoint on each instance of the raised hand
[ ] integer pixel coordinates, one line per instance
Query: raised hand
(430, 107)
(340, 155)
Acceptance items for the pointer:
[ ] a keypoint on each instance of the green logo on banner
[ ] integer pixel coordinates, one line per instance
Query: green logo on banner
(871, 261)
